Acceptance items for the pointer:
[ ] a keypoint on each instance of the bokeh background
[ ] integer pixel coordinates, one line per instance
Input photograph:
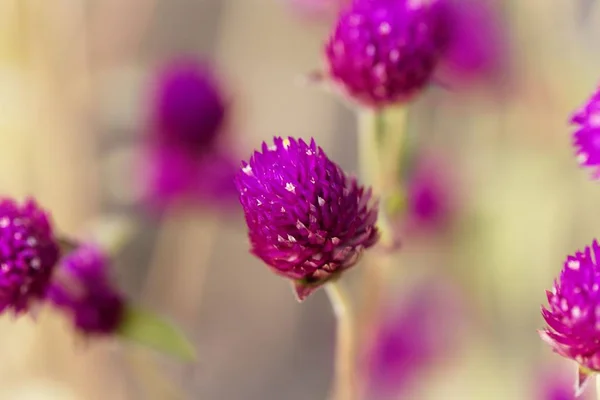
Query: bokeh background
(73, 78)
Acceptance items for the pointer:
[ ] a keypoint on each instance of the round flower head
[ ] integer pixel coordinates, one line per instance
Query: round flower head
(587, 135)
(383, 52)
(307, 220)
(189, 108)
(81, 286)
(28, 253)
(573, 314)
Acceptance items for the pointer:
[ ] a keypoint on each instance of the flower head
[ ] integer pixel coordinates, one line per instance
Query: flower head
(28, 253)
(307, 220)
(407, 340)
(383, 52)
(186, 158)
(188, 106)
(477, 44)
(82, 287)
(572, 314)
(587, 134)
(429, 195)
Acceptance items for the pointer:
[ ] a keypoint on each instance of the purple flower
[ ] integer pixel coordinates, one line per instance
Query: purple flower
(587, 134)
(573, 313)
(187, 158)
(477, 45)
(81, 286)
(430, 195)
(188, 106)
(28, 253)
(307, 220)
(383, 52)
(408, 340)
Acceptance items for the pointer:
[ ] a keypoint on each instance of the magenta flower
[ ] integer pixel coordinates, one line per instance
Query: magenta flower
(407, 340)
(383, 52)
(28, 253)
(187, 158)
(477, 46)
(82, 288)
(587, 134)
(573, 313)
(189, 107)
(307, 220)
(430, 195)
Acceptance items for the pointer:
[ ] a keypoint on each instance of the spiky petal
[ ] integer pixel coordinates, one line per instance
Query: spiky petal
(306, 219)
(573, 312)
(28, 253)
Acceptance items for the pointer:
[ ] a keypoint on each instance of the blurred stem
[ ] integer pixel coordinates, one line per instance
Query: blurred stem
(345, 379)
(598, 386)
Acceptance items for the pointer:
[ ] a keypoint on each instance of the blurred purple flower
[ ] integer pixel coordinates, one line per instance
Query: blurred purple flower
(430, 195)
(307, 220)
(587, 134)
(188, 157)
(477, 49)
(573, 315)
(81, 286)
(189, 108)
(29, 252)
(552, 385)
(412, 337)
(383, 52)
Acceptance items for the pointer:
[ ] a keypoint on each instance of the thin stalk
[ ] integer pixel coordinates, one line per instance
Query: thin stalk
(598, 386)
(345, 382)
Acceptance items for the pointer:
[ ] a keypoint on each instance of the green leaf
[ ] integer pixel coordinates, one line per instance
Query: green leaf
(147, 329)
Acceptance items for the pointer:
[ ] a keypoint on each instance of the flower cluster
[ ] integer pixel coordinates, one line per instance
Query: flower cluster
(307, 220)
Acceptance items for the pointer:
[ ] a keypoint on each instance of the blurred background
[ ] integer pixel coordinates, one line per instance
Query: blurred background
(73, 79)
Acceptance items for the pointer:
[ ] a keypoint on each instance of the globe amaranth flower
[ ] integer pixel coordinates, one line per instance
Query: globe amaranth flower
(307, 220)
(187, 157)
(407, 341)
(383, 52)
(573, 312)
(477, 49)
(189, 108)
(586, 137)
(28, 253)
(82, 287)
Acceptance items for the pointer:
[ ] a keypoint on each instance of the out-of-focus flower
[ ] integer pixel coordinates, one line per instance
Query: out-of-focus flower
(384, 52)
(188, 157)
(29, 252)
(307, 220)
(477, 46)
(81, 286)
(572, 315)
(552, 385)
(189, 107)
(430, 196)
(409, 338)
(587, 135)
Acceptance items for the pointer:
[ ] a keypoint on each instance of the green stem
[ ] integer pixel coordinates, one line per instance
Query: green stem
(345, 381)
